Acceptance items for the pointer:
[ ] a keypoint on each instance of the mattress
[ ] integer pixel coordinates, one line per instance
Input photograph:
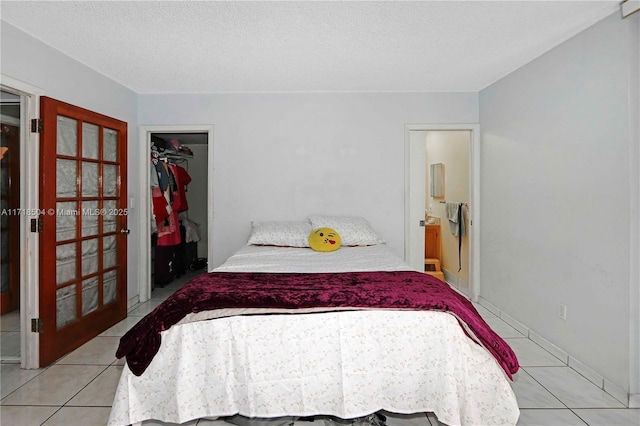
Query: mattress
(347, 364)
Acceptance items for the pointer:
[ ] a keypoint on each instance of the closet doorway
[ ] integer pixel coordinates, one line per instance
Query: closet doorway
(461, 186)
(10, 111)
(174, 243)
(27, 249)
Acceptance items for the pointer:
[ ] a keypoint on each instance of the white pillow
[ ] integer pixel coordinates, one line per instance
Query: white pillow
(280, 233)
(353, 231)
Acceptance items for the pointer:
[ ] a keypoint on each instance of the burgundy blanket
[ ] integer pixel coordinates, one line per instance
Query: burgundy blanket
(386, 290)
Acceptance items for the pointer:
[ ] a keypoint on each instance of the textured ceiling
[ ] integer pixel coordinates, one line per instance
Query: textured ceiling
(304, 46)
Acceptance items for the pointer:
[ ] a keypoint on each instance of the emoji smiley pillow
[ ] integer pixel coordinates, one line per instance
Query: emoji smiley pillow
(324, 239)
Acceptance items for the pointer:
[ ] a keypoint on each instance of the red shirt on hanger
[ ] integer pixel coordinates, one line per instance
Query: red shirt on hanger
(182, 178)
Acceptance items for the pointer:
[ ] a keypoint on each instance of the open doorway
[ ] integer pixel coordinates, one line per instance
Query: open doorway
(447, 208)
(27, 246)
(424, 211)
(179, 194)
(10, 212)
(177, 229)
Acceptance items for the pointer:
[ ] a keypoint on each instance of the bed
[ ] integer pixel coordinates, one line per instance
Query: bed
(237, 341)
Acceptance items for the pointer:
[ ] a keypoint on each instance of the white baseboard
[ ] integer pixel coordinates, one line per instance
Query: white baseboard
(634, 400)
(490, 307)
(616, 392)
(132, 302)
(631, 401)
(515, 324)
(549, 347)
(586, 372)
(454, 281)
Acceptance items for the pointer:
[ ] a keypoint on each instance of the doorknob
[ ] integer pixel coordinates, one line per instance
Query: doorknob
(423, 223)
(124, 231)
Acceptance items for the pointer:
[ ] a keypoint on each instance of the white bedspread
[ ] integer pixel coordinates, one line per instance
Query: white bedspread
(294, 259)
(347, 364)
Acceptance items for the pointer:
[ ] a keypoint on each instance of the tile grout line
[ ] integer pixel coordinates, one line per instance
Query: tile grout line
(75, 394)
(566, 363)
(566, 407)
(16, 389)
(545, 388)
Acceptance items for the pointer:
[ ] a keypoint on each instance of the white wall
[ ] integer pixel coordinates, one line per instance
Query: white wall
(197, 194)
(556, 193)
(31, 61)
(286, 156)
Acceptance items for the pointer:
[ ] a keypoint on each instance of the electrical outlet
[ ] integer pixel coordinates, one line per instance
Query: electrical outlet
(562, 311)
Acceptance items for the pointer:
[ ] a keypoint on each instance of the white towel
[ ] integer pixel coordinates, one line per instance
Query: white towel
(456, 225)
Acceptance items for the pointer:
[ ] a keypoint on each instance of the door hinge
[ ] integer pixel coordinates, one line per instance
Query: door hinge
(36, 225)
(36, 125)
(36, 325)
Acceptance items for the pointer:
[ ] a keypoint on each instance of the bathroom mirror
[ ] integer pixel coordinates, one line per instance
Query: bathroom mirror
(437, 179)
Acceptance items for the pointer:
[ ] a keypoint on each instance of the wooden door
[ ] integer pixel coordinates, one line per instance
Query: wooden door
(83, 201)
(10, 218)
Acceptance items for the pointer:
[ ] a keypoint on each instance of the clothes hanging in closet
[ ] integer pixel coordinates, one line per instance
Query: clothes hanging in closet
(166, 215)
(182, 179)
(168, 190)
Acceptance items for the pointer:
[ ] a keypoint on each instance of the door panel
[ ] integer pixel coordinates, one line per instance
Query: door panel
(83, 197)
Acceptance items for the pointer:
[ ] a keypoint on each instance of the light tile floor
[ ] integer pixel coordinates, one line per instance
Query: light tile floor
(78, 389)
(10, 336)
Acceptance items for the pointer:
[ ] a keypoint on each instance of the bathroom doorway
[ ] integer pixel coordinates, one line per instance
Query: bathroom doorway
(418, 201)
(447, 205)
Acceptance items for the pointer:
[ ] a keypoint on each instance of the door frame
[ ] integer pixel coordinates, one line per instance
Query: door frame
(144, 150)
(29, 199)
(474, 196)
